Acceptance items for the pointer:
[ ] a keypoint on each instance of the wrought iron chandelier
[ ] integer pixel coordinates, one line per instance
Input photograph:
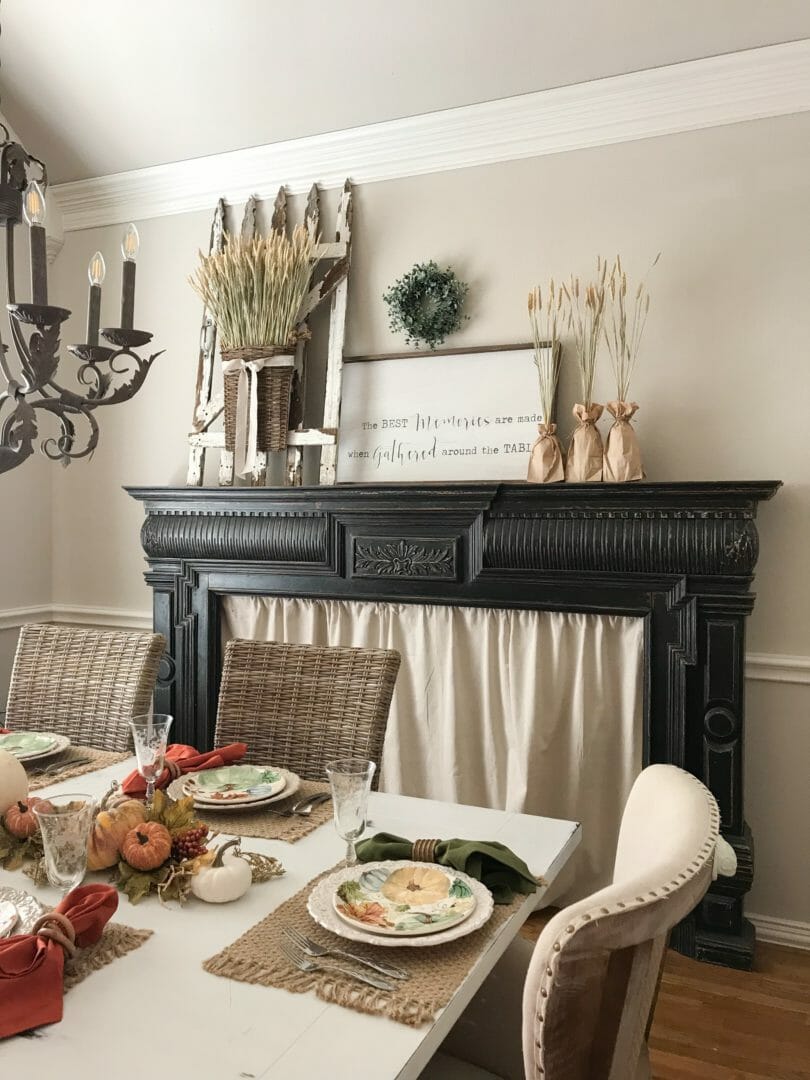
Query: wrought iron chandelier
(105, 374)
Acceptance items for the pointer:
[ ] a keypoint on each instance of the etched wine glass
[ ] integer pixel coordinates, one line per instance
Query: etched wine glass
(65, 822)
(351, 782)
(151, 734)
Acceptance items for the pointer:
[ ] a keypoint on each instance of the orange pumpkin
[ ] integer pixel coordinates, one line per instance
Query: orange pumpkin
(147, 846)
(109, 830)
(20, 820)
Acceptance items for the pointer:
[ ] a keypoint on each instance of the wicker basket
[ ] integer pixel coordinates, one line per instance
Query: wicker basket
(274, 390)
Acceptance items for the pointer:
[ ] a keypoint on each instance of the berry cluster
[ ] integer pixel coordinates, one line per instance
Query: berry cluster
(190, 844)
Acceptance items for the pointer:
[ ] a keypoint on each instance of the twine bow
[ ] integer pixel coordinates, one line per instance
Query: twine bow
(246, 440)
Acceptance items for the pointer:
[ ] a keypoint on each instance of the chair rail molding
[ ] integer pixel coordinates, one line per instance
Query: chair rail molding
(752, 84)
(759, 667)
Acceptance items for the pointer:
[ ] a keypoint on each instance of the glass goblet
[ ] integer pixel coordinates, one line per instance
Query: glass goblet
(65, 822)
(351, 782)
(150, 734)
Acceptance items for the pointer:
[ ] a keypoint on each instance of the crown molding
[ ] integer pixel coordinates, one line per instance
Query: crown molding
(748, 85)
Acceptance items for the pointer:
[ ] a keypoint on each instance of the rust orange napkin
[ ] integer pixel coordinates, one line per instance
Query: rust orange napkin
(31, 965)
(185, 759)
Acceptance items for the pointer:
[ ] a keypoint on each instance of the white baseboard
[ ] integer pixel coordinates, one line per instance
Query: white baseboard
(781, 931)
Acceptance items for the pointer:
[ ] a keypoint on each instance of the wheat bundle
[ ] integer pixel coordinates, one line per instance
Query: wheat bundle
(254, 287)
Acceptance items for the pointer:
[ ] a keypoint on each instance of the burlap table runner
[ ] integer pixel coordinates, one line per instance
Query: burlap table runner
(436, 972)
(269, 826)
(98, 759)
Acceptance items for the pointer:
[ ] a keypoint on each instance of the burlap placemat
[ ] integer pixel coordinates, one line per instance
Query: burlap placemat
(117, 940)
(98, 759)
(436, 972)
(262, 823)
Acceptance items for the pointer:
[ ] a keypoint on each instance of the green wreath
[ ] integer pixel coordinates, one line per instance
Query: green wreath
(426, 304)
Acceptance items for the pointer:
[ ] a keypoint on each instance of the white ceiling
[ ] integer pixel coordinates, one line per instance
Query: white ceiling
(103, 86)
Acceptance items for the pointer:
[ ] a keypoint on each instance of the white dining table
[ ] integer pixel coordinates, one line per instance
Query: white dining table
(156, 1011)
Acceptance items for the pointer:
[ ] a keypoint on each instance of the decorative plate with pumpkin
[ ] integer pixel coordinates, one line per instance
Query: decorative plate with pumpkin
(412, 899)
(232, 784)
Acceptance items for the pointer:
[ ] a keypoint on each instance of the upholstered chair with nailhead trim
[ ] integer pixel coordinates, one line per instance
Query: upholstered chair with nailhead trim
(592, 979)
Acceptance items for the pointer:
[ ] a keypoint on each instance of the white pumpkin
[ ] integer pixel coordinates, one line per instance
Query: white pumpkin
(227, 878)
(13, 781)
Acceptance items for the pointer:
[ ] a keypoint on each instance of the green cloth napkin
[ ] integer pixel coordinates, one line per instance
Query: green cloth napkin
(489, 862)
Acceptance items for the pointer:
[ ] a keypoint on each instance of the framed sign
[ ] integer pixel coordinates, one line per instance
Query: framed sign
(444, 415)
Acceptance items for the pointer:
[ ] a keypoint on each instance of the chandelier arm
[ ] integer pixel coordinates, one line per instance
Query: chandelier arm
(17, 434)
(61, 448)
(5, 370)
(103, 382)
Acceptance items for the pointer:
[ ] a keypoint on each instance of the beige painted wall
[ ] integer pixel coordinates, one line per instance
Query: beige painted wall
(723, 382)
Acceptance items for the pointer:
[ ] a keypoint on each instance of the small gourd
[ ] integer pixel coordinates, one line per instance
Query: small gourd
(20, 819)
(227, 878)
(147, 846)
(13, 781)
(109, 830)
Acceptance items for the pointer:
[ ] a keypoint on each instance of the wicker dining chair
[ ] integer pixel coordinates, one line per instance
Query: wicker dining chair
(87, 684)
(300, 706)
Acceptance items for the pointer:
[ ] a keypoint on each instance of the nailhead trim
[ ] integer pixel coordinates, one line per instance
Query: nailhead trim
(706, 851)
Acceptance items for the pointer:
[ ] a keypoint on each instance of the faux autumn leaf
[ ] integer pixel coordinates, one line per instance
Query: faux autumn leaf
(139, 883)
(176, 816)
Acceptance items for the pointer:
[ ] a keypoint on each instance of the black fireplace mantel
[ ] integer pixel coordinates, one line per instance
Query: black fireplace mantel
(679, 555)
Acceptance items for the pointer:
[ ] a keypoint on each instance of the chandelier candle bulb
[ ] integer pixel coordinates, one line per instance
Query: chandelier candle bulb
(34, 214)
(96, 272)
(129, 249)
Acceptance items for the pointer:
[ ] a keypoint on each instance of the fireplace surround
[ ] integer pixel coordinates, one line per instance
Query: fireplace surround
(679, 555)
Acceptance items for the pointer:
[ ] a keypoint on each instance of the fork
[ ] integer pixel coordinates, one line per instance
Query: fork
(312, 948)
(43, 770)
(303, 808)
(300, 961)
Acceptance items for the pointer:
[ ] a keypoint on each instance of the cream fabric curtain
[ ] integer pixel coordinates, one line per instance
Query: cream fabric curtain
(538, 712)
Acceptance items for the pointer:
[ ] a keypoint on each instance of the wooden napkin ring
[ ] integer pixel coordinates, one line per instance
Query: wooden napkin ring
(58, 928)
(174, 769)
(424, 850)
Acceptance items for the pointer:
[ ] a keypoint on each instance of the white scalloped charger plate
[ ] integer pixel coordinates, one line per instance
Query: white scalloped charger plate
(28, 908)
(320, 905)
(292, 782)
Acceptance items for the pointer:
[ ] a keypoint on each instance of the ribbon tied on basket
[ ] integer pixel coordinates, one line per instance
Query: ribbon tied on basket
(32, 965)
(181, 759)
(495, 865)
(246, 436)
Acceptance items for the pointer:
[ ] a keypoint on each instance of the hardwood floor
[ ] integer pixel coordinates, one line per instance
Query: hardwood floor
(718, 1024)
(712, 1023)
